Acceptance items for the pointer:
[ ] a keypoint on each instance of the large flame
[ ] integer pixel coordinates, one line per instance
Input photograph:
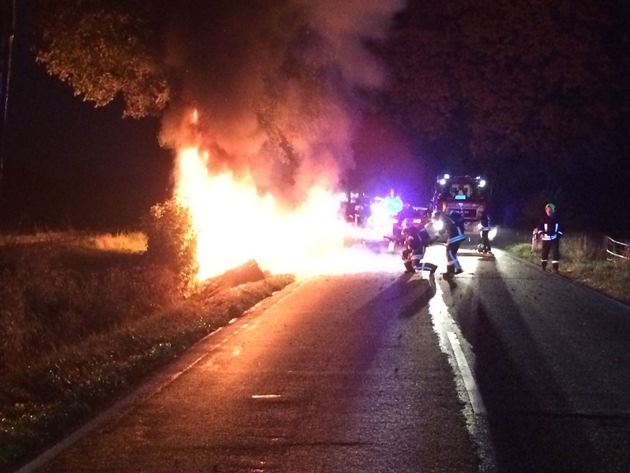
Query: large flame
(234, 224)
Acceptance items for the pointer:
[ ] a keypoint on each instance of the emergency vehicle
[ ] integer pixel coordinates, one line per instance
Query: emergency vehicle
(465, 194)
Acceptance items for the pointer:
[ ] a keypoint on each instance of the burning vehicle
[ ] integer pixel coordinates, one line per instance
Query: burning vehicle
(260, 149)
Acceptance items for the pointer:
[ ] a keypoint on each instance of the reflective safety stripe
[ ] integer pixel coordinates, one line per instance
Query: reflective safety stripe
(459, 237)
(452, 260)
(555, 234)
(413, 257)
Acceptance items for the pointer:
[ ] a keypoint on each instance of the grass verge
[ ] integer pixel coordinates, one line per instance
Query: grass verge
(583, 259)
(82, 322)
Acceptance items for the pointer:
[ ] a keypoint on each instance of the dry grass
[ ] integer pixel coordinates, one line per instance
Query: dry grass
(128, 242)
(134, 242)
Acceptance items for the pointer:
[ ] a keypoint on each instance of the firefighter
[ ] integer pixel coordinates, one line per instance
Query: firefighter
(453, 225)
(484, 246)
(400, 220)
(549, 232)
(416, 242)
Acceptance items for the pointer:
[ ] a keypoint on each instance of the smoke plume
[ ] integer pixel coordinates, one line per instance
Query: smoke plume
(277, 84)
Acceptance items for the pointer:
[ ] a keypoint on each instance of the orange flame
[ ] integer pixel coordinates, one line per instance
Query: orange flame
(234, 224)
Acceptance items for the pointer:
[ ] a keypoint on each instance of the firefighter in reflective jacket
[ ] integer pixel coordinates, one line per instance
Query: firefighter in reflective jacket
(416, 242)
(453, 225)
(549, 232)
(484, 245)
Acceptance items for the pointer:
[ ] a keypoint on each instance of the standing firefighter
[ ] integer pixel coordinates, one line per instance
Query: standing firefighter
(484, 246)
(549, 232)
(416, 242)
(453, 225)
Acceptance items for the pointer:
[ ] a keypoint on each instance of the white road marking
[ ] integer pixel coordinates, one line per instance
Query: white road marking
(470, 384)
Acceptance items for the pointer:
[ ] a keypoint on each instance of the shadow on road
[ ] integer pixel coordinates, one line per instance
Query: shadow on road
(530, 419)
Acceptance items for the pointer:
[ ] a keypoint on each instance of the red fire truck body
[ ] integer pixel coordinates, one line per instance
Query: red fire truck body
(465, 194)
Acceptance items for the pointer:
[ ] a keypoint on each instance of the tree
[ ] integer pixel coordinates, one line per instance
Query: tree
(521, 85)
(105, 48)
(7, 22)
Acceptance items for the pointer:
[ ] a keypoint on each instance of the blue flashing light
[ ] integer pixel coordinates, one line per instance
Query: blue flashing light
(392, 205)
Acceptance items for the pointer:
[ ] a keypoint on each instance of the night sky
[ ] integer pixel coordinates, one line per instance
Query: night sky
(71, 165)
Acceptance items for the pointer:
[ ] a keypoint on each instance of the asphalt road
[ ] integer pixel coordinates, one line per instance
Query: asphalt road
(504, 369)
(551, 361)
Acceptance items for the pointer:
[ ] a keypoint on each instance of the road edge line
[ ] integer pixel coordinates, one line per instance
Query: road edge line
(474, 395)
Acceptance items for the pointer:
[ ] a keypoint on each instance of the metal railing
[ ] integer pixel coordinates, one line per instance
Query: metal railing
(618, 249)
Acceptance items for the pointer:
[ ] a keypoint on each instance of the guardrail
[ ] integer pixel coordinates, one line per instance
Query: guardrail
(617, 249)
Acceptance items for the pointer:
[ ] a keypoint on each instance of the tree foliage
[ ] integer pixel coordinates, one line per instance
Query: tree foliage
(532, 86)
(104, 49)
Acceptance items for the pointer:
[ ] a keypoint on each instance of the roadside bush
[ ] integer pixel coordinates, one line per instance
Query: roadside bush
(171, 242)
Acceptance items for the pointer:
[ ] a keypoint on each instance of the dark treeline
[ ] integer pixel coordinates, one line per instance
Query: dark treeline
(534, 94)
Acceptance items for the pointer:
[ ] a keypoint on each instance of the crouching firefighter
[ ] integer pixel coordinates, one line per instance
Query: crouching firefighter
(416, 242)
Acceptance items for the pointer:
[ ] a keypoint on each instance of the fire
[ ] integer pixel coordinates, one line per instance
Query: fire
(234, 224)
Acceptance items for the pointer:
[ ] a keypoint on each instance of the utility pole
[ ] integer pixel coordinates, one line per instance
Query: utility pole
(6, 55)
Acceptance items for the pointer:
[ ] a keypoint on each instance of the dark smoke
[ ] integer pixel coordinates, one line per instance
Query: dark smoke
(276, 83)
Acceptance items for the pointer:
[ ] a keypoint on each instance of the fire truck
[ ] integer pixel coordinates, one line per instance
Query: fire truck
(466, 194)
